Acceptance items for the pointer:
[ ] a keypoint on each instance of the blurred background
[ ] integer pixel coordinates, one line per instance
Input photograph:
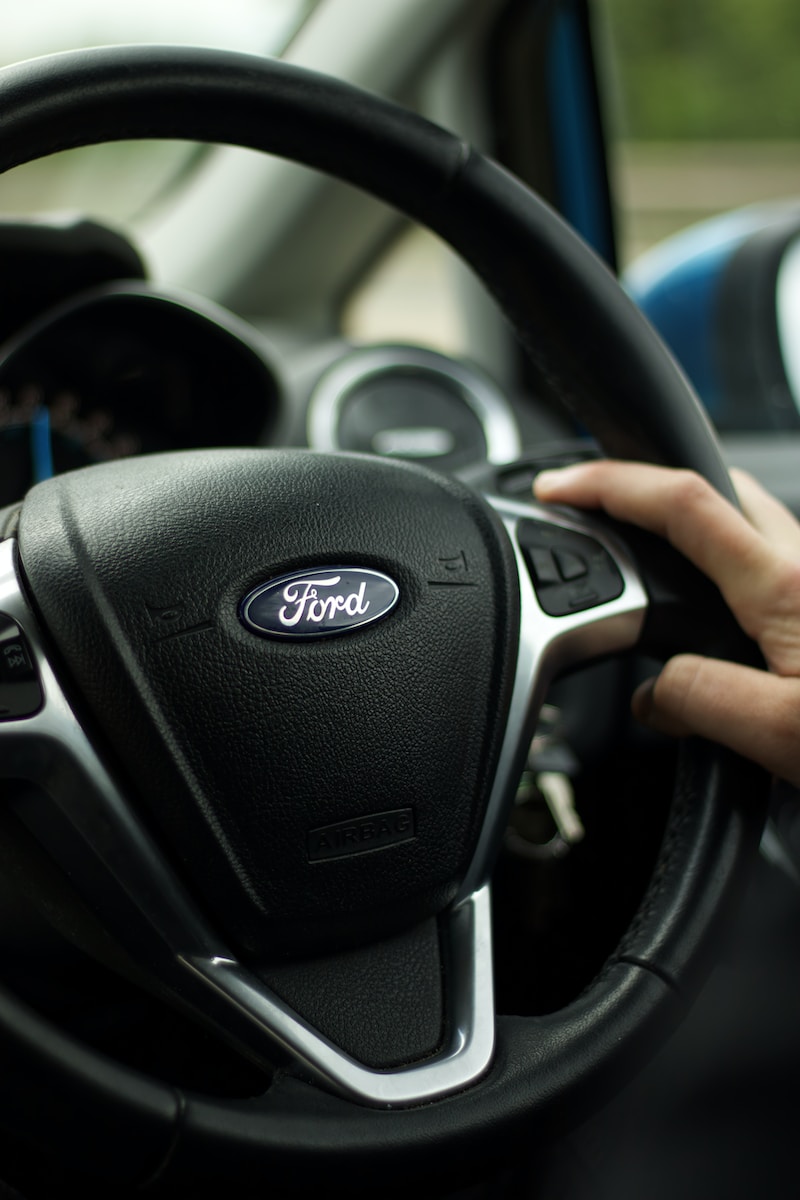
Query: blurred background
(117, 183)
(700, 101)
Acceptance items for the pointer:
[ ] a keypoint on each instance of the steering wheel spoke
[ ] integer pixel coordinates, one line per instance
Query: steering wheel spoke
(599, 610)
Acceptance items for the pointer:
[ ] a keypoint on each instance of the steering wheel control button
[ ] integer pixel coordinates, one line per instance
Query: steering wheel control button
(543, 566)
(570, 571)
(20, 691)
(319, 603)
(570, 566)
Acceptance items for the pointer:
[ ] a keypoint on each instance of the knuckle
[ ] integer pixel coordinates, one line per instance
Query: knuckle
(688, 500)
(786, 584)
(677, 685)
(690, 491)
(772, 614)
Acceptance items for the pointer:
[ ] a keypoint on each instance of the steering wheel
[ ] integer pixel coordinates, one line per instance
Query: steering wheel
(271, 706)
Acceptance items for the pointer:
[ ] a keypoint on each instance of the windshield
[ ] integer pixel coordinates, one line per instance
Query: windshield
(117, 181)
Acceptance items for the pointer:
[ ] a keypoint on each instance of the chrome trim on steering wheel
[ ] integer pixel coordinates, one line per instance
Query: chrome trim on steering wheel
(470, 1020)
(548, 645)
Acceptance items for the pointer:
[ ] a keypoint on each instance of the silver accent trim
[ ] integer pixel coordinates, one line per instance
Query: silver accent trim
(479, 393)
(548, 645)
(51, 749)
(463, 1060)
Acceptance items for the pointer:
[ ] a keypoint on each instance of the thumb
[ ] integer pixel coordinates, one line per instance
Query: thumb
(753, 712)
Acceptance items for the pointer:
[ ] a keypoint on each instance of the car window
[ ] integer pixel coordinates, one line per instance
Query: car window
(410, 296)
(116, 182)
(702, 108)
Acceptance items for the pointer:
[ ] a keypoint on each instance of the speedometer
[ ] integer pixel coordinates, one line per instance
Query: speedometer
(124, 370)
(409, 402)
(46, 431)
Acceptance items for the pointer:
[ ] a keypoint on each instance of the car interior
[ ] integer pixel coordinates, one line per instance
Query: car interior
(332, 857)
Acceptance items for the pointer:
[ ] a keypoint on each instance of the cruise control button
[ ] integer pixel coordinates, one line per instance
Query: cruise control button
(543, 565)
(585, 575)
(20, 691)
(15, 661)
(571, 566)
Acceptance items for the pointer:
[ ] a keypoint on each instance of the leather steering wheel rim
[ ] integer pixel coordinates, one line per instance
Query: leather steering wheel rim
(546, 1069)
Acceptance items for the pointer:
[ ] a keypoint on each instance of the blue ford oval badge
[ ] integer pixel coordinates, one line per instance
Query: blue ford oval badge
(318, 603)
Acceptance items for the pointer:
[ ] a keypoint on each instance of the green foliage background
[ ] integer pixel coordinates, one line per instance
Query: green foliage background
(705, 69)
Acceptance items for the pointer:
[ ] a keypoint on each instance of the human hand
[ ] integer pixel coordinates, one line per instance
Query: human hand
(753, 556)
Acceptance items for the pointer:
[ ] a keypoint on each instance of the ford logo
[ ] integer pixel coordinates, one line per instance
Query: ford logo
(318, 603)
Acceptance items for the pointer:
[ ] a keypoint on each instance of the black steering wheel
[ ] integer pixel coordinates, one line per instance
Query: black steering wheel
(270, 707)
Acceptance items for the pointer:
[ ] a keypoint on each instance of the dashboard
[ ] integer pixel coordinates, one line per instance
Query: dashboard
(99, 363)
(121, 370)
(106, 367)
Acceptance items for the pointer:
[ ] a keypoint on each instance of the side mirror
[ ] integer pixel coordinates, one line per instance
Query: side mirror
(725, 296)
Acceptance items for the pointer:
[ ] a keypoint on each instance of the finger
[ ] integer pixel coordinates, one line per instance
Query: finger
(691, 514)
(777, 524)
(752, 712)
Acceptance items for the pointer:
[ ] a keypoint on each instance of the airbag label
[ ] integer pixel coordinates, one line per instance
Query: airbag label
(361, 835)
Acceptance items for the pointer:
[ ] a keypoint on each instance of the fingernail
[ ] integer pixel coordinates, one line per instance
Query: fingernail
(554, 479)
(643, 700)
